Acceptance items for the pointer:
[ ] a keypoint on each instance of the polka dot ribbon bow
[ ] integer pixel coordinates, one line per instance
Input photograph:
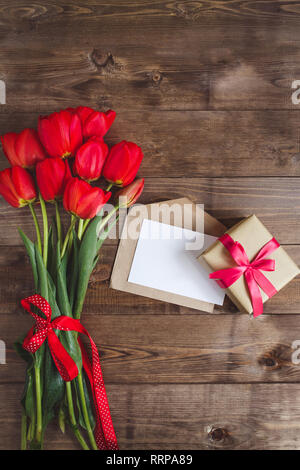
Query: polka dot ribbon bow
(252, 272)
(44, 329)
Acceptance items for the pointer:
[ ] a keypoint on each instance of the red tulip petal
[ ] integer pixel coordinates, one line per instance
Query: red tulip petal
(91, 203)
(68, 174)
(66, 198)
(131, 193)
(63, 122)
(117, 163)
(75, 133)
(7, 189)
(83, 112)
(24, 184)
(94, 125)
(9, 196)
(8, 143)
(136, 157)
(50, 176)
(29, 148)
(50, 136)
(110, 117)
(90, 159)
(75, 189)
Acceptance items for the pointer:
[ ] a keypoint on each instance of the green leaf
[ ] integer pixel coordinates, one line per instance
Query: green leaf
(42, 274)
(44, 292)
(88, 404)
(25, 355)
(87, 254)
(68, 338)
(28, 397)
(29, 245)
(61, 285)
(52, 252)
(54, 385)
(52, 298)
(54, 388)
(34, 445)
(89, 248)
(73, 278)
(62, 417)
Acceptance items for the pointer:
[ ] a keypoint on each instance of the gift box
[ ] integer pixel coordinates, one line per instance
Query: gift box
(250, 264)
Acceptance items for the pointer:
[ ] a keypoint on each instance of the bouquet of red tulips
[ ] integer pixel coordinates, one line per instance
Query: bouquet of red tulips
(62, 161)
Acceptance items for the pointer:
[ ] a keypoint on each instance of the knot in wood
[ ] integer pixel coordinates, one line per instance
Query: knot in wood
(218, 434)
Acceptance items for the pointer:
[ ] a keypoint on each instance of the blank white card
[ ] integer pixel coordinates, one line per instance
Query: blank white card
(164, 260)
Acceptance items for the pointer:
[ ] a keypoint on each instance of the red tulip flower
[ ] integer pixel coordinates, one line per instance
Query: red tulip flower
(23, 149)
(128, 196)
(52, 177)
(95, 123)
(90, 158)
(60, 133)
(82, 200)
(17, 186)
(122, 163)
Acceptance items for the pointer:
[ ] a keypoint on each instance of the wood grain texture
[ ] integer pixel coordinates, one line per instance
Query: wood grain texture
(190, 416)
(232, 55)
(207, 144)
(16, 283)
(275, 200)
(180, 349)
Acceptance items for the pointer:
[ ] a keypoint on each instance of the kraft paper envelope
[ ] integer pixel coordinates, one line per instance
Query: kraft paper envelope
(127, 247)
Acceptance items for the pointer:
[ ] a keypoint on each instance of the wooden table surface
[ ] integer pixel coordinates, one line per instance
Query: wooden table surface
(205, 88)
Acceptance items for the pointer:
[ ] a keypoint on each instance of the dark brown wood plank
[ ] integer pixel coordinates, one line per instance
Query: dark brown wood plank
(181, 77)
(179, 349)
(16, 283)
(218, 144)
(119, 55)
(101, 298)
(55, 11)
(183, 417)
(275, 200)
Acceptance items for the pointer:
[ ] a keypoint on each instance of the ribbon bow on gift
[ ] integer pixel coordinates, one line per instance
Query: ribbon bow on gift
(44, 329)
(252, 271)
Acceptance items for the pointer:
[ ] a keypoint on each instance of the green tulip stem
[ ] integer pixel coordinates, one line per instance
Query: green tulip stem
(39, 420)
(109, 187)
(31, 429)
(58, 223)
(106, 219)
(45, 229)
(62, 419)
(85, 412)
(73, 421)
(80, 228)
(24, 431)
(37, 227)
(70, 242)
(85, 224)
(69, 232)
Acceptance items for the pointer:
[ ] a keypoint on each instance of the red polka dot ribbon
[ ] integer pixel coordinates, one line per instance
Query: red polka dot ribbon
(44, 329)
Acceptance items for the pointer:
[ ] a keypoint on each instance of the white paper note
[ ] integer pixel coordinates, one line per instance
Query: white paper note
(162, 261)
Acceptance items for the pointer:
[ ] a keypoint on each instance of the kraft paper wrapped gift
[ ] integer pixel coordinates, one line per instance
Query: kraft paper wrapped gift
(252, 235)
